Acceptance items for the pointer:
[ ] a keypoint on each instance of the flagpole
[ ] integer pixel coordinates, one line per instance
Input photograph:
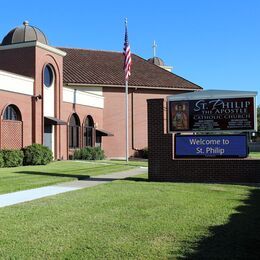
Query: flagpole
(126, 120)
(127, 67)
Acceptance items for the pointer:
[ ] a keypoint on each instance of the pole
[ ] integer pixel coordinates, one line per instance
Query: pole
(126, 121)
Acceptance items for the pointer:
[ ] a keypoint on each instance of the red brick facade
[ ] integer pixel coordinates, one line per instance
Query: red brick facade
(11, 134)
(114, 118)
(31, 61)
(82, 111)
(163, 168)
(9, 130)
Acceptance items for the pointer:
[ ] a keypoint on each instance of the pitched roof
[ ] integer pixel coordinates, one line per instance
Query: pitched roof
(83, 66)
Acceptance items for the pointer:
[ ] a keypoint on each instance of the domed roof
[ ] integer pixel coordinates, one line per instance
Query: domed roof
(24, 33)
(157, 61)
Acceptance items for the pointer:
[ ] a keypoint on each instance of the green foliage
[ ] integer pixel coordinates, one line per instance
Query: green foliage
(76, 155)
(97, 154)
(1, 159)
(89, 153)
(258, 119)
(142, 153)
(12, 158)
(145, 153)
(37, 154)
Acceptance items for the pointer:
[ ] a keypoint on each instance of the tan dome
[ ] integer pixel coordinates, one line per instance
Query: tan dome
(24, 33)
(156, 61)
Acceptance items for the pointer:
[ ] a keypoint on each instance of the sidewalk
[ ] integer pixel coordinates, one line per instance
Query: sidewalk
(33, 194)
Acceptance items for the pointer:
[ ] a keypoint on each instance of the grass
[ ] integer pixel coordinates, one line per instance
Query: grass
(27, 177)
(142, 163)
(254, 155)
(136, 220)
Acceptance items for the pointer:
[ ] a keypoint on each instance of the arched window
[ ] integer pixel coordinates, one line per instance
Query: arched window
(89, 132)
(48, 76)
(12, 113)
(74, 129)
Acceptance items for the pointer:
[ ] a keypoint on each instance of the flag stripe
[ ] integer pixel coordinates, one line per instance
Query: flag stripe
(127, 54)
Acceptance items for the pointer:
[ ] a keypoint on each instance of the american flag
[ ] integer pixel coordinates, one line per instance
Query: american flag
(127, 54)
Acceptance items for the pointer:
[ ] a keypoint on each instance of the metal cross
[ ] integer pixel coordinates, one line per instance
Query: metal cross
(154, 48)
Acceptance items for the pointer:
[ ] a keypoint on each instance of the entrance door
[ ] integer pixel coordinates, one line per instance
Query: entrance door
(47, 140)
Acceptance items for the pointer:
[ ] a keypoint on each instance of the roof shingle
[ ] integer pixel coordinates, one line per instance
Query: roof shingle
(83, 66)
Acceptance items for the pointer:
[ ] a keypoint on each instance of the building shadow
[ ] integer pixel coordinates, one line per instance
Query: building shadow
(52, 174)
(82, 176)
(65, 173)
(137, 179)
(238, 239)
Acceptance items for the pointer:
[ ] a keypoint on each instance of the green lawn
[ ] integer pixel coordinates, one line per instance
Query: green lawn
(254, 155)
(21, 178)
(136, 220)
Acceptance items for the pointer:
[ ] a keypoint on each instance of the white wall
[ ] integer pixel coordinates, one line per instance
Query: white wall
(49, 99)
(84, 96)
(16, 83)
(91, 90)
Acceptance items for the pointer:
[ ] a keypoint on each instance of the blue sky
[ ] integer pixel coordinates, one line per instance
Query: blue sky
(214, 43)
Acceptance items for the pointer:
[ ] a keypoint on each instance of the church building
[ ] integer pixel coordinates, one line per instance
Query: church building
(69, 98)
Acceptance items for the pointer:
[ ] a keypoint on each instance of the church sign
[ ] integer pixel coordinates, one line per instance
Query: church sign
(216, 114)
(208, 146)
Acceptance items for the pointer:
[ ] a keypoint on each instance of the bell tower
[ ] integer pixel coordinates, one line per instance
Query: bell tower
(25, 50)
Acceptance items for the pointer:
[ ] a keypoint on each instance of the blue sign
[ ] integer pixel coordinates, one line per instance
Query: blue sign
(230, 146)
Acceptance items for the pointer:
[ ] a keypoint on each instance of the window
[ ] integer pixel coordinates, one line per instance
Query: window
(74, 129)
(12, 113)
(89, 132)
(48, 76)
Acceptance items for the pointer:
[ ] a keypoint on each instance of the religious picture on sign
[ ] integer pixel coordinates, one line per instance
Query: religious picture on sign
(180, 116)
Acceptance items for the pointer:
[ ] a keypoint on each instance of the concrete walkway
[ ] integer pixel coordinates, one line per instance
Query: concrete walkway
(33, 194)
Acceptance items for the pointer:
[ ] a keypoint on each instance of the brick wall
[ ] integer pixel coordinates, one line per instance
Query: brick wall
(11, 134)
(82, 112)
(163, 168)
(114, 118)
(24, 104)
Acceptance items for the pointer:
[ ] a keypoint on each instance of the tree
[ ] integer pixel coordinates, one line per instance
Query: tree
(258, 120)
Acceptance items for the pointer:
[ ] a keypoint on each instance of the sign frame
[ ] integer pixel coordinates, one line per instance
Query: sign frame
(210, 157)
(212, 94)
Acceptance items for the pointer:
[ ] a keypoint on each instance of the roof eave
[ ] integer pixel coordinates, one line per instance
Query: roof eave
(131, 86)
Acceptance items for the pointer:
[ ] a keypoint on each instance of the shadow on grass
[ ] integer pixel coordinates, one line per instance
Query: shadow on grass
(70, 173)
(52, 174)
(238, 239)
(82, 176)
(137, 179)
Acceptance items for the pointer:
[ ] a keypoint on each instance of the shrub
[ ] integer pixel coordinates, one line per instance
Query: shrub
(89, 153)
(12, 158)
(145, 153)
(37, 154)
(1, 159)
(76, 155)
(86, 153)
(142, 153)
(97, 154)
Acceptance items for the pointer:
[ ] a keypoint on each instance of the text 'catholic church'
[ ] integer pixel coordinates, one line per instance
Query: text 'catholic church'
(68, 98)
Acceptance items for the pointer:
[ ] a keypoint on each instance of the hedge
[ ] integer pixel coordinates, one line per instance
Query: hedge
(1, 159)
(12, 158)
(37, 154)
(145, 153)
(89, 153)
